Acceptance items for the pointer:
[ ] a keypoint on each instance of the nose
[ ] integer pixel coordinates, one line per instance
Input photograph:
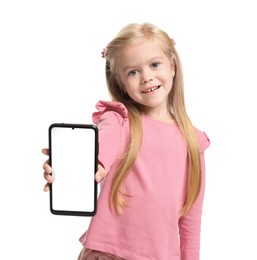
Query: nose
(144, 81)
(146, 78)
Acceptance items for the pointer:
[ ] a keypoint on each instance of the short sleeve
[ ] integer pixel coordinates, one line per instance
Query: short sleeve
(112, 106)
(112, 122)
(203, 140)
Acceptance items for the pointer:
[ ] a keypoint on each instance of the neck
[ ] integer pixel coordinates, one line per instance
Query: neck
(163, 115)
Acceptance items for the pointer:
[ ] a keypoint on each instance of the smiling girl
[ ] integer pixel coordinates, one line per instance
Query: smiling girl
(151, 157)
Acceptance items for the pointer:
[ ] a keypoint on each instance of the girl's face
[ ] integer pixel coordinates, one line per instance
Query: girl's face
(147, 74)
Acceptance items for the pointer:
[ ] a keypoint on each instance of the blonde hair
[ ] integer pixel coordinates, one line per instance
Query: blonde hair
(125, 37)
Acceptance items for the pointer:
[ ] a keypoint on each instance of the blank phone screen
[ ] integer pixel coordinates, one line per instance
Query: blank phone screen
(73, 158)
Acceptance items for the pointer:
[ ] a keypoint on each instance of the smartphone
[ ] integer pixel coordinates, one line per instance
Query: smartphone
(73, 156)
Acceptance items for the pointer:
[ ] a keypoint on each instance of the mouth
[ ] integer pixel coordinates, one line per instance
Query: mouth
(151, 89)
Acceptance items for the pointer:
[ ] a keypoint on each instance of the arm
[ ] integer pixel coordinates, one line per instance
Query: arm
(190, 224)
(109, 119)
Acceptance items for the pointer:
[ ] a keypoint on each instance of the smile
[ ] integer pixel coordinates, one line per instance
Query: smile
(151, 89)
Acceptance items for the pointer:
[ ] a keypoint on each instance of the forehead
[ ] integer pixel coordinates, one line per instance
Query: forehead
(141, 50)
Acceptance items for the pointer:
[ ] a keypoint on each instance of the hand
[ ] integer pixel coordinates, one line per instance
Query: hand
(47, 171)
(99, 176)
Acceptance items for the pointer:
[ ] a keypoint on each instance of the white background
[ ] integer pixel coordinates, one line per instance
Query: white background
(51, 70)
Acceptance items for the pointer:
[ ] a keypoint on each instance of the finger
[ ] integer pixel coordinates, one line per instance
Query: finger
(49, 178)
(100, 174)
(47, 167)
(45, 151)
(46, 187)
(98, 178)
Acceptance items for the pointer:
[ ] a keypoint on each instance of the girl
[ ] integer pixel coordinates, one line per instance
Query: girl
(151, 156)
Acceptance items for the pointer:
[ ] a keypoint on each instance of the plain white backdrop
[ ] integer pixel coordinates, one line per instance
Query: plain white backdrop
(51, 70)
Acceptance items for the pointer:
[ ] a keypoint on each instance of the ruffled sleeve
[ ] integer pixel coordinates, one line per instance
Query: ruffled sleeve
(204, 141)
(113, 124)
(105, 106)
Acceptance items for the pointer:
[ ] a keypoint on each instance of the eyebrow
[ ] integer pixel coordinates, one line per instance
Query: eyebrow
(149, 61)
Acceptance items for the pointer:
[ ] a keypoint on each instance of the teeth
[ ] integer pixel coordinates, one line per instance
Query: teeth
(150, 89)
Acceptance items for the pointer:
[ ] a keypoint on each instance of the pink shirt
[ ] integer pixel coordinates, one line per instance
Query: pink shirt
(149, 227)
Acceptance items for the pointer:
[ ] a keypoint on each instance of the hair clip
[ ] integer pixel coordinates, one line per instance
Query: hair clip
(103, 53)
(173, 42)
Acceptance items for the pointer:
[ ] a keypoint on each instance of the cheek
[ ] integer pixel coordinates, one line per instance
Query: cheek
(166, 75)
(132, 91)
(130, 84)
(170, 72)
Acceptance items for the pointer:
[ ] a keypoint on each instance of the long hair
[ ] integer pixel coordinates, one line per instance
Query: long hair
(124, 38)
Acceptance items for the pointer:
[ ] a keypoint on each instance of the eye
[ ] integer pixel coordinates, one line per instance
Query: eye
(155, 64)
(132, 73)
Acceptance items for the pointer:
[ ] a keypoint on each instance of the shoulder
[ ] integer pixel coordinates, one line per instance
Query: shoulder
(110, 110)
(203, 140)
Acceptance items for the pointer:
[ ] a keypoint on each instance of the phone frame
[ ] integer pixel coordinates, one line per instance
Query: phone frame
(96, 147)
